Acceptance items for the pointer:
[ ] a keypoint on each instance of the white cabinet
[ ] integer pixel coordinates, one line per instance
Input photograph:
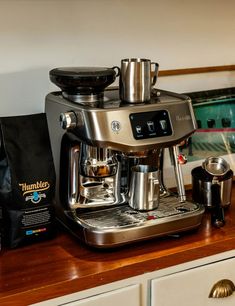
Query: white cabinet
(192, 287)
(108, 295)
(125, 296)
(188, 284)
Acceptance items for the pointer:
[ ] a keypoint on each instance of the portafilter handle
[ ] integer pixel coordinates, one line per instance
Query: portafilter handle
(217, 214)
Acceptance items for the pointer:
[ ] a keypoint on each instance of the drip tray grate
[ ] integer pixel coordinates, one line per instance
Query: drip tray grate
(124, 216)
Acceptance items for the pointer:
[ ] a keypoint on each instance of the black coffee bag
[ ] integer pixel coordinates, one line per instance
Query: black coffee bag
(1, 228)
(27, 179)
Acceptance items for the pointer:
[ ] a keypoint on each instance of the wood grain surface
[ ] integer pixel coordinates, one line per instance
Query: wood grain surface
(63, 265)
(196, 70)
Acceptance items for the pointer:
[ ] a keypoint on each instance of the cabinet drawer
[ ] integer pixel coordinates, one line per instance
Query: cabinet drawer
(192, 287)
(129, 295)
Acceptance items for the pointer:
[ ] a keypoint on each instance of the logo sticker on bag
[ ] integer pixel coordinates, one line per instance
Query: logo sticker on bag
(34, 192)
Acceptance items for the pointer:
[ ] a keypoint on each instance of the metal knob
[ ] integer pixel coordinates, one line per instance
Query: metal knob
(222, 289)
(68, 120)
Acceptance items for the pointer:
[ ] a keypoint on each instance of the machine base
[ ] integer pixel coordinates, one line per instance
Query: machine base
(119, 225)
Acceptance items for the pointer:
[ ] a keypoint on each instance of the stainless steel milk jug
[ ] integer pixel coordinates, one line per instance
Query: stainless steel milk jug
(144, 191)
(137, 79)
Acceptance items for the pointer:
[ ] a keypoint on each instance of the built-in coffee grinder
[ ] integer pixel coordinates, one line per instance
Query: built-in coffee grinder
(99, 140)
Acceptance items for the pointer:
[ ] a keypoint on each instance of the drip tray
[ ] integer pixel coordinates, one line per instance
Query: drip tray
(120, 225)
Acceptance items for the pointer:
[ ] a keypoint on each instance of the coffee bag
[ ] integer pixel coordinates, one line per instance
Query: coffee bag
(27, 179)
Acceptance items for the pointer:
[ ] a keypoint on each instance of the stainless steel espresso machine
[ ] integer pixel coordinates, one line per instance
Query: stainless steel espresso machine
(97, 139)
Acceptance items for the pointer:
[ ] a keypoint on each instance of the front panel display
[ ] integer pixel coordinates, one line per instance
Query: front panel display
(150, 124)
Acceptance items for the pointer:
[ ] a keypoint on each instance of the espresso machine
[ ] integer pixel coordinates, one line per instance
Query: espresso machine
(97, 138)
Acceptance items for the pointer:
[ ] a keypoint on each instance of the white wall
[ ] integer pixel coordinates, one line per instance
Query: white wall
(38, 35)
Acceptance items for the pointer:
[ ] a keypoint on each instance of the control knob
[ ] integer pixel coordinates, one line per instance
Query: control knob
(68, 120)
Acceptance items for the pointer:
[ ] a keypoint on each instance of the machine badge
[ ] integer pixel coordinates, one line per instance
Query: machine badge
(116, 126)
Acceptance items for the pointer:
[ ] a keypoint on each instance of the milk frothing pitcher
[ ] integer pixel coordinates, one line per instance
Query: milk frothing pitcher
(137, 79)
(144, 191)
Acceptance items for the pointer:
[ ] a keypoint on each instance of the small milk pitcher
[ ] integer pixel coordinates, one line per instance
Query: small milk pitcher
(137, 79)
(144, 193)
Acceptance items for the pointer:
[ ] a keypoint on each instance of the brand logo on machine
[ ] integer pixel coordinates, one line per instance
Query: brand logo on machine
(183, 117)
(34, 192)
(116, 126)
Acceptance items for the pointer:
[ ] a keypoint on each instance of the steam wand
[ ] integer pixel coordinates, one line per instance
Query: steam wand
(177, 159)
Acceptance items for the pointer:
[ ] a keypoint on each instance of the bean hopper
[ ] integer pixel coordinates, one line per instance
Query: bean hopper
(97, 139)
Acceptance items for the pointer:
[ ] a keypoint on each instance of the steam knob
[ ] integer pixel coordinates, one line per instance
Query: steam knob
(68, 120)
(182, 159)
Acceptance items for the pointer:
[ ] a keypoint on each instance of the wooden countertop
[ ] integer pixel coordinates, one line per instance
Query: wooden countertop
(62, 266)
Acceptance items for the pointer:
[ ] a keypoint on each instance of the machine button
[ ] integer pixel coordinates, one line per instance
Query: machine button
(138, 129)
(163, 125)
(68, 120)
(151, 126)
(116, 126)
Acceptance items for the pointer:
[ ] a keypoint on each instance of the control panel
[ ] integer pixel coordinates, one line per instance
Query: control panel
(150, 124)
